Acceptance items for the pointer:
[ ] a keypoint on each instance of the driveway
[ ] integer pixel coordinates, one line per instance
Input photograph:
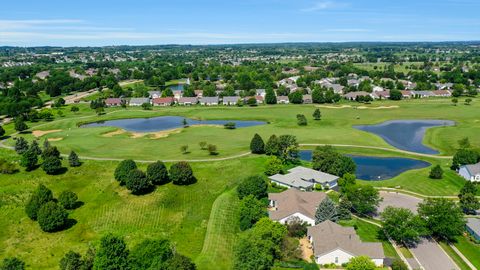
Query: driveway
(432, 257)
(398, 200)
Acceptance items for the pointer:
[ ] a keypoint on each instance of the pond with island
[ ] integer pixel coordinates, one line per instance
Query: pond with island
(162, 123)
(377, 168)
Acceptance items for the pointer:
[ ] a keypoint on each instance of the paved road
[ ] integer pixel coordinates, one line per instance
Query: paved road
(432, 257)
(398, 200)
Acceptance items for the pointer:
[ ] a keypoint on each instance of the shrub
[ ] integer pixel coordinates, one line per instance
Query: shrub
(12, 263)
(230, 125)
(274, 165)
(436, 172)
(137, 182)
(52, 165)
(52, 217)
(68, 199)
(253, 185)
(39, 197)
(112, 254)
(73, 159)
(29, 159)
(203, 145)
(184, 149)
(157, 173)
(317, 115)
(20, 125)
(272, 147)
(122, 170)
(71, 261)
(212, 150)
(7, 167)
(149, 252)
(257, 146)
(398, 264)
(181, 174)
(301, 120)
(251, 210)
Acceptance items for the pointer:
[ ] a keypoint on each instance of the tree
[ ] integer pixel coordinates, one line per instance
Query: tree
(327, 160)
(73, 159)
(301, 120)
(181, 174)
(270, 97)
(398, 264)
(273, 166)
(29, 159)
(50, 151)
(402, 225)
(184, 149)
(20, 125)
(112, 254)
(288, 148)
(179, 262)
(360, 263)
(40, 196)
(295, 97)
(137, 182)
(296, 227)
(436, 172)
(257, 146)
(52, 217)
(272, 147)
(443, 218)
(12, 263)
(463, 157)
(317, 115)
(52, 165)
(347, 180)
(326, 210)
(469, 203)
(253, 185)
(251, 210)
(149, 252)
(21, 145)
(230, 125)
(68, 200)
(122, 170)
(464, 143)
(74, 109)
(2, 131)
(71, 261)
(203, 145)
(395, 95)
(454, 101)
(212, 149)
(157, 173)
(36, 148)
(365, 199)
(468, 101)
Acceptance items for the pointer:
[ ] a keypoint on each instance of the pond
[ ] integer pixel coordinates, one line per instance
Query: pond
(165, 123)
(406, 134)
(377, 168)
(175, 87)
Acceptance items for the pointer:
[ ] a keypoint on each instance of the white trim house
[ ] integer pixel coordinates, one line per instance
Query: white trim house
(470, 172)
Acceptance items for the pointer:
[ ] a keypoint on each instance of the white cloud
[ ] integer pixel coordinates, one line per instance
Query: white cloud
(27, 24)
(323, 5)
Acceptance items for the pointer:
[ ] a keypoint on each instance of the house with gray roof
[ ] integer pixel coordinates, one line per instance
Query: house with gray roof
(304, 178)
(187, 100)
(283, 100)
(473, 227)
(260, 92)
(335, 244)
(154, 94)
(230, 100)
(209, 101)
(294, 204)
(138, 101)
(307, 99)
(423, 94)
(470, 172)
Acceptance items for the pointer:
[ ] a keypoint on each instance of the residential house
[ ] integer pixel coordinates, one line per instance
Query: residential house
(138, 101)
(260, 92)
(353, 82)
(473, 227)
(43, 75)
(177, 94)
(307, 99)
(335, 244)
(356, 94)
(154, 94)
(304, 178)
(407, 94)
(444, 86)
(209, 101)
(283, 100)
(442, 93)
(198, 93)
(423, 94)
(293, 203)
(310, 68)
(187, 101)
(165, 101)
(383, 94)
(470, 172)
(377, 89)
(231, 100)
(112, 102)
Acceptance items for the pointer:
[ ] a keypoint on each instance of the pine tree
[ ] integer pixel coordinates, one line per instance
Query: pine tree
(73, 159)
(270, 97)
(52, 164)
(40, 196)
(36, 148)
(2, 131)
(344, 207)
(21, 145)
(257, 146)
(29, 159)
(326, 211)
(20, 125)
(317, 115)
(272, 147)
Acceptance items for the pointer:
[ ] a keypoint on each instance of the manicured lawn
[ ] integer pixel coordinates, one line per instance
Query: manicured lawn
(371, 233)
(454, 256)
(179, 213)
(469, 250)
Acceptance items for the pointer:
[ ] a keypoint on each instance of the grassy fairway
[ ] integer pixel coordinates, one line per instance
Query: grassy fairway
(174, 212)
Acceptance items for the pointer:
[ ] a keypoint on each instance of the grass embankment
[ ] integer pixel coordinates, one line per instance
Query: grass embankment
(454, 256)
(469, 249)
(179, 213)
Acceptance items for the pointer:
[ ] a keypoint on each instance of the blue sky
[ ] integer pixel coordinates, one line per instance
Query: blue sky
(148, 22)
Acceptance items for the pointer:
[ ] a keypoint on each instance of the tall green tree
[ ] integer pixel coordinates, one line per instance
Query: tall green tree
(328, 160)
(68, 200)
(365, 199)
(253, 185)
(52, 217)
(20, 125)
(257, 146)
(272, 147)
(2, 131)
(71, 261)
(40, 196)
(273, 166)
(21, 145)
(443, 218)
(317, 115)
(182, 174)
(295, 97)
(468, 200)
(157, 173)
(12, 263)
(270, 97)
(463, 157)
(52, 165)
(251, 210)
(436, 172)
(73, 159)
(149, 253)
(288, 148)
(112, 254)
(29, 159)
(402, 225)
(138, 183)
(123, 169)
(326, 210)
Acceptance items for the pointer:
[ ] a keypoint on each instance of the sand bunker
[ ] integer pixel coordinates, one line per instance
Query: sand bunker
(334, 107)
(113, 133)
(377, 108)
(55, 139)
(155, 135)
(40, 133)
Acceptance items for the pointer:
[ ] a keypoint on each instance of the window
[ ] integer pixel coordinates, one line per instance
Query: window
(336, 259)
